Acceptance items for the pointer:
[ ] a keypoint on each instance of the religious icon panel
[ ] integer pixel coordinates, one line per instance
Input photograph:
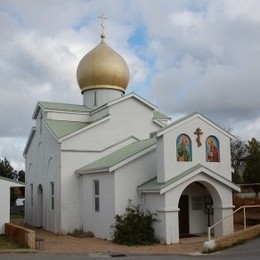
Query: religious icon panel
(212, 149)
(183, 146)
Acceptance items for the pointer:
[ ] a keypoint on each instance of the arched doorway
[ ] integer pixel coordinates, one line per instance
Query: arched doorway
(195, 210)
(39, 206)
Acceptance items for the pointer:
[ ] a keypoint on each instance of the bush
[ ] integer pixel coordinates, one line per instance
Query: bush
(134, 227)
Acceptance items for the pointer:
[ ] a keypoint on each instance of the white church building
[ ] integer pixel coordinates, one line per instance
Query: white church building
(86, 163)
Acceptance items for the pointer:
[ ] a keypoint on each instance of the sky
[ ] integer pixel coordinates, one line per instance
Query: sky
(183, 56)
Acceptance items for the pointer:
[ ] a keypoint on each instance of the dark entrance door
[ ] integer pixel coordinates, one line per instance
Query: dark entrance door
(184, 227)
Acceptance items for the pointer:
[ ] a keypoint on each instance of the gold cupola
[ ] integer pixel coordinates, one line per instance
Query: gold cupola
(102, 68)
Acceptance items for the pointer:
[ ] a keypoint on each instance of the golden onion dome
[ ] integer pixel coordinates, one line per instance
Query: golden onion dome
(102, 68)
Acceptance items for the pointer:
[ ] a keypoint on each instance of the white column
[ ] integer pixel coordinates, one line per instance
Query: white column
(169, 227)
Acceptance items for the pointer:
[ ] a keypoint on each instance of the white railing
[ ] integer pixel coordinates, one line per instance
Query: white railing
(244, 217)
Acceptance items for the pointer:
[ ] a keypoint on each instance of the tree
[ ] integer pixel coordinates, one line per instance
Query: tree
(6, 170)
(238, 153)
(252, 169)
(21, 176)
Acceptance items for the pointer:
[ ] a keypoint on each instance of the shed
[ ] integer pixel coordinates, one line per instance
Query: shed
(5, 185)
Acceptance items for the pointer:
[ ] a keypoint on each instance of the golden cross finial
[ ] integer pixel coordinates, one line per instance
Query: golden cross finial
(102, 17)
(198, 133)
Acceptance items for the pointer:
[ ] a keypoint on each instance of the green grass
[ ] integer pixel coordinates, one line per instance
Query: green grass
(6, 243)
(16, 216)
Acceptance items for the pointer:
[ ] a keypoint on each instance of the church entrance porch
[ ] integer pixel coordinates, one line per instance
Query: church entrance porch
(195, 210)
(188, 205)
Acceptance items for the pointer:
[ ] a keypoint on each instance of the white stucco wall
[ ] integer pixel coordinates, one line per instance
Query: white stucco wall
(117, 191)
(70, 193)
(98, 222)
(168, 166)
(155, 203)
(48, 160)
(5, 186)
(42, 167)
(128, 177)
(133, 118)
(4, 204)
(127, 118)
(97, 97)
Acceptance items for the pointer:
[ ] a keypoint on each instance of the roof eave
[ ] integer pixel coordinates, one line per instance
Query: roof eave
(32, 132)
(89, 171)
(180, 121)
(146, 191)
(36, 110)
(134, 95)
(201, 169)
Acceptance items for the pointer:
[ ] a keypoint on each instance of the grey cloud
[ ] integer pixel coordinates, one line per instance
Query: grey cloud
(198, 56)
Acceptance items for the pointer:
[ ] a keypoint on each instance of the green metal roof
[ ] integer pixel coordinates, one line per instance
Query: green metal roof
(118, 156)
(63, 128)
(64, 107)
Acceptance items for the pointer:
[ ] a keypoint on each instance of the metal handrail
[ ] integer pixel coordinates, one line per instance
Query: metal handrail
(244, 214)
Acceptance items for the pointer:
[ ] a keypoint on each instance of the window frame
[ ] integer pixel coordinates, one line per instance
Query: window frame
(31, 194)
(52, 195)
(96, 195)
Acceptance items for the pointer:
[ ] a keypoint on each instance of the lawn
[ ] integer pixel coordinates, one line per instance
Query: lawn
(6, 243)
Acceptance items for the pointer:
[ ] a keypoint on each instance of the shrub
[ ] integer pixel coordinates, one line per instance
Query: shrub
(134, 227)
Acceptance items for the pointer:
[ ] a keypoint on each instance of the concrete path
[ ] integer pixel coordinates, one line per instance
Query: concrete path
(54, 243)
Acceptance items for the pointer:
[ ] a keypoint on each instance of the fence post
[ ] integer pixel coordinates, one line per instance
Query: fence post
(209, 235)
(244, 212)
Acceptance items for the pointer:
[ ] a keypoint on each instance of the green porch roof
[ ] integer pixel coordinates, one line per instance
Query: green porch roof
(154, 185)
(157, 186)
(63, 128)
(118, 156)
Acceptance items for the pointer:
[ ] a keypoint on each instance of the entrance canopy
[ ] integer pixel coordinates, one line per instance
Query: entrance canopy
(153, 186)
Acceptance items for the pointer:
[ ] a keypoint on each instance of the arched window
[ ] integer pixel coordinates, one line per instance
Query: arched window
(212, 149)
(183, 148)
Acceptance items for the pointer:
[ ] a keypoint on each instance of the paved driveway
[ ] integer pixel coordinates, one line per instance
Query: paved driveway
(54, 243)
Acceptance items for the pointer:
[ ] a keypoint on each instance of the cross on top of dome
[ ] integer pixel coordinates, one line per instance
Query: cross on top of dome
(102, 17)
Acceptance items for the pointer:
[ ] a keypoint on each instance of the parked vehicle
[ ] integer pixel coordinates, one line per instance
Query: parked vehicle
(18, 208)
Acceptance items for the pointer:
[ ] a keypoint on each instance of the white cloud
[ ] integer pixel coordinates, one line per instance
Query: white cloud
(12, 149)
(193, 56)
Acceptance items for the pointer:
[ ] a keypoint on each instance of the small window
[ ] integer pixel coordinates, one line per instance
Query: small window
(95, 98)
(52, 195)
(31, 194)
(96, 196)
